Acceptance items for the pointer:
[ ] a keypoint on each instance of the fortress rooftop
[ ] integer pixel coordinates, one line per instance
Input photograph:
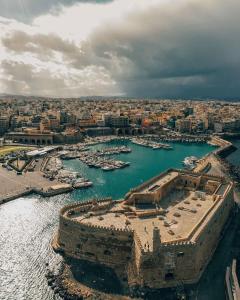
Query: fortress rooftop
(178, 204)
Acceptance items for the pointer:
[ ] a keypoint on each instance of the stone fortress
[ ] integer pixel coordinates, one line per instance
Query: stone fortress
(161, 235)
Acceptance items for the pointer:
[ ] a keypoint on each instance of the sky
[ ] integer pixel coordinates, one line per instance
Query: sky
(133, 48)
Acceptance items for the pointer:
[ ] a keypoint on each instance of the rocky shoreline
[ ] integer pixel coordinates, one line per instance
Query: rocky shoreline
(68, 287)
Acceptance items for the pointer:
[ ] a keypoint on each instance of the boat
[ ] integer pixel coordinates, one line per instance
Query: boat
(156, 147)
(190, 162)
(108, 168)
(84, 184)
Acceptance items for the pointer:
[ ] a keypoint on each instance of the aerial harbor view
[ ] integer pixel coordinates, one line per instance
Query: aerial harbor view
(119, 150)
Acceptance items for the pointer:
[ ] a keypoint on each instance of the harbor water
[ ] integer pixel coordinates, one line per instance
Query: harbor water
(28, 224)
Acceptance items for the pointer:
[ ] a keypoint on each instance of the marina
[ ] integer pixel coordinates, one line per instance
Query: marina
(97, 159)
(55, 171)
(39, 216)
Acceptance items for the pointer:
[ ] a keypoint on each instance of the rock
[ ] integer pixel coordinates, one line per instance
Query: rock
(56, 290)
(50, 281)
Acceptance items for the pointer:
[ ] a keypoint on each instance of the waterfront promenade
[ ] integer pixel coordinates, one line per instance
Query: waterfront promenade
(14, 186)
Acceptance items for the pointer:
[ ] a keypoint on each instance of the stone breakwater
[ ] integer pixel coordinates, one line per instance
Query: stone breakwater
(225, 148)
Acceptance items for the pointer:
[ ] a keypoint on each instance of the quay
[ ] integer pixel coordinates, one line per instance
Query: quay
(14, 186)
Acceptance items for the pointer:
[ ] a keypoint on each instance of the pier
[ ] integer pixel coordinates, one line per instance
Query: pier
(14, 186)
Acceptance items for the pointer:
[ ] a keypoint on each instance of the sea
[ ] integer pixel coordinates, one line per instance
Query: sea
(28, 224)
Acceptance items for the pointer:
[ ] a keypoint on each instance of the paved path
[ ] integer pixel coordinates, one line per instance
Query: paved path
(13, 184)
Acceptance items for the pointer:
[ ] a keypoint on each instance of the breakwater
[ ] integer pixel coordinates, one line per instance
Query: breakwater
(37, 217)
(225, 147)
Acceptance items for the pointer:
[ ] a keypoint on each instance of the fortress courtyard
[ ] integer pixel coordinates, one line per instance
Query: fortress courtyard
(164, 232)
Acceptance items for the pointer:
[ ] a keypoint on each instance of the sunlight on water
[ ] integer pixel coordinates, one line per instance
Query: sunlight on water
(27, 224)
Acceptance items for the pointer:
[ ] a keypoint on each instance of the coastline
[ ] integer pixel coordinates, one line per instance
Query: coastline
(16, 186)
(73, 288)
(34, 182)
(52, 206)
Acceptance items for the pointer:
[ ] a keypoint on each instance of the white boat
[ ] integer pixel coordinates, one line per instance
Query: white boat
(156, 147)
(190, 162)
(84, 184)
(108, 168)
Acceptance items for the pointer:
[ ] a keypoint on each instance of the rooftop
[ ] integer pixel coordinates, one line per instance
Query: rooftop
(180, 210)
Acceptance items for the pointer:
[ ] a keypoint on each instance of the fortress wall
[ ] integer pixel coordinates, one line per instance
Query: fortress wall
(183, 261)
(209, 238)
(188, 181)
(138, 252)
(176, 260)
(150, 181)
(94, 243)
(83, 206)
(141, 198)
(155, 196)
(166, 189)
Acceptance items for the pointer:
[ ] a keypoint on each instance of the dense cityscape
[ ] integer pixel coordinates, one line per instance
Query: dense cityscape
(119, 150)
(47, 148)
(69, 120)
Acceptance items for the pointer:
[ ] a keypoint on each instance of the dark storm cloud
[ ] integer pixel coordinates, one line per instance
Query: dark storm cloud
(190, 49)
(185, 49)
(26, 10)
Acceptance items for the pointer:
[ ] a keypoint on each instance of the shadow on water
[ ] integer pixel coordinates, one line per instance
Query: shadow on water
(96, 277)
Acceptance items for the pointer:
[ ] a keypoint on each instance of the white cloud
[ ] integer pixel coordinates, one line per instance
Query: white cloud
(136, 47)
(75, 24)
(79, 21)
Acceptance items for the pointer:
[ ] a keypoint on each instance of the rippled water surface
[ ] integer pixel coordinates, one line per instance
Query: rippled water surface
(27, 224)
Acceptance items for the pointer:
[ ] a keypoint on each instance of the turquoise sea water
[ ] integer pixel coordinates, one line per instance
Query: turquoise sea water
(27, 225)
(145, 163)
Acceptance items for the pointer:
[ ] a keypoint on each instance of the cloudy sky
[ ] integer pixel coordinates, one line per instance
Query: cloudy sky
(164, 48)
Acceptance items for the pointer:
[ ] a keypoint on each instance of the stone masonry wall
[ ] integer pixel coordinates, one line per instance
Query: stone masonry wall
(97, 244)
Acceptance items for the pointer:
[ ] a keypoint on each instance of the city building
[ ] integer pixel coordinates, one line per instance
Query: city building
(183, 125)
(4, 124)
(31, 136)
(116, 121)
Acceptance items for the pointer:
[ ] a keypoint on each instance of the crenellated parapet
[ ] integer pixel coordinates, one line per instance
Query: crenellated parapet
(82, 204)
(68, 211)
(155, 241)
